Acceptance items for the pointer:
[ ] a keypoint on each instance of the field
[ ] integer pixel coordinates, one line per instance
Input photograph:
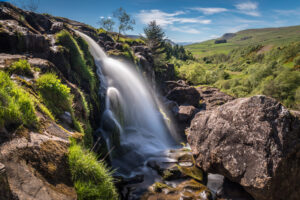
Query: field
(266, 36)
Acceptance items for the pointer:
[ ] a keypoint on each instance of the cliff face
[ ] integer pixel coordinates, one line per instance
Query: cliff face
(52, 80)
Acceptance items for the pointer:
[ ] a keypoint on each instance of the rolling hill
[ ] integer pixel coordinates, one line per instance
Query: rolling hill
(268, 37)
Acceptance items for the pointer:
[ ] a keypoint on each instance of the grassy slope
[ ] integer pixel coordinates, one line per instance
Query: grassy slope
(266, 36)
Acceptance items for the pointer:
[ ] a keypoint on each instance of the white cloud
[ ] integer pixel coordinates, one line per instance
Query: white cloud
(210, 11)
(164, 19)
(185, 29)
(288, 12)
(248, 8)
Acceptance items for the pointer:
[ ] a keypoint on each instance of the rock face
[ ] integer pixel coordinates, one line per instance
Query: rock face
(184, 95)
(37, 165)
(5, 192)
(252, 141)
(212, 97)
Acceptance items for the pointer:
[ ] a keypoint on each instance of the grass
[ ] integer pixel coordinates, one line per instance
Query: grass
(82, 72)
(21, 67)
(267, 36)
(55, 95)
(92, 179)
(17, 107)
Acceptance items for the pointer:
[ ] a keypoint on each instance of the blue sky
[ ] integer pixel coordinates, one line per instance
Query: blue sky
(183, 20)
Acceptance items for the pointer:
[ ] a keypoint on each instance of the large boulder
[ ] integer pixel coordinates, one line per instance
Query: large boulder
(184, 96)
(252, 141)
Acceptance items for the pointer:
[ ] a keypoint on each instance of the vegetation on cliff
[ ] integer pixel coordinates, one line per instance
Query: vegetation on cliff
(91, 177)
(81, 71)
(17, 107)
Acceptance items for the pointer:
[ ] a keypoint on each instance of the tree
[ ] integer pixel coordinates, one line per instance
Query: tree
(155, 41)
(125, 21)
(107, 24)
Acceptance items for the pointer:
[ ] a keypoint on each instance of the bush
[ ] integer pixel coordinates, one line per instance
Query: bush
(21, 67)
(17, 107)
(91, 177)
(297, 60)
(55, 95)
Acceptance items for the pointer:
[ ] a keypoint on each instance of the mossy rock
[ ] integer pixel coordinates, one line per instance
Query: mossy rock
(193, 172)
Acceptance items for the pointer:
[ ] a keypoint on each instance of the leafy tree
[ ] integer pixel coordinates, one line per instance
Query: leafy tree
(107, 24)
(125, 21)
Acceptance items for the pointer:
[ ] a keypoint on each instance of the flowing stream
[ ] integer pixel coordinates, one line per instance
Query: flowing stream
(132, 123)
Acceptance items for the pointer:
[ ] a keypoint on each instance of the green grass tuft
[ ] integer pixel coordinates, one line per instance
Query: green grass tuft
(17, 107)
(55, 95)
(21, 67)
(91, 177)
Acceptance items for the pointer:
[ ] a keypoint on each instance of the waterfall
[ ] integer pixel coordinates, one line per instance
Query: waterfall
(132, 122)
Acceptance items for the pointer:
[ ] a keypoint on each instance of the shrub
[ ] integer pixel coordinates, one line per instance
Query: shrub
(55, 95)
(91, 177)
(21, 67)
(297, 60)
(17, 107)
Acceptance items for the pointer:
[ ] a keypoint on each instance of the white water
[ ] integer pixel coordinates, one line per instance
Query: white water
(131, 112)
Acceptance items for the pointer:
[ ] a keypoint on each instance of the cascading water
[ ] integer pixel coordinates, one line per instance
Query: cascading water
(131, 122)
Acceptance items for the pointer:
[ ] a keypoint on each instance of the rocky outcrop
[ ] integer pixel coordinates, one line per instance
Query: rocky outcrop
(212, 97)
(184, 95)
(252, 141)
(37, 164)
(5, 192)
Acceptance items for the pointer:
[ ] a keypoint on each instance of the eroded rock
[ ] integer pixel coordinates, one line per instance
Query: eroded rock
(252, 141)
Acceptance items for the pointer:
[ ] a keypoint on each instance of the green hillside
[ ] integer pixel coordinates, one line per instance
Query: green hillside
(252, 62)
(266, 36)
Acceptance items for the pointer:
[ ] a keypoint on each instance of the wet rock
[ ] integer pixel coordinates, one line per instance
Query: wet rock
(172, 106)
(184, 95)
(252, 141)
(189, 189)
(66, 118)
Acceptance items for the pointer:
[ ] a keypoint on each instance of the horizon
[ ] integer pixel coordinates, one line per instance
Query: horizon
(183, 21)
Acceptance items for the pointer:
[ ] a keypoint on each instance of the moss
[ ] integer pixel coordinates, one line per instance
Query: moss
(120, 54)
(55, 95)
(21, 67)
(167, 174)
(193, 172)
(21, 45)
(82, 72)
(92, 179)
(158, 186)
(17, 107)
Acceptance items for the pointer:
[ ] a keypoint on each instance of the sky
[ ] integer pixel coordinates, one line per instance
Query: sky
(183, 20)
